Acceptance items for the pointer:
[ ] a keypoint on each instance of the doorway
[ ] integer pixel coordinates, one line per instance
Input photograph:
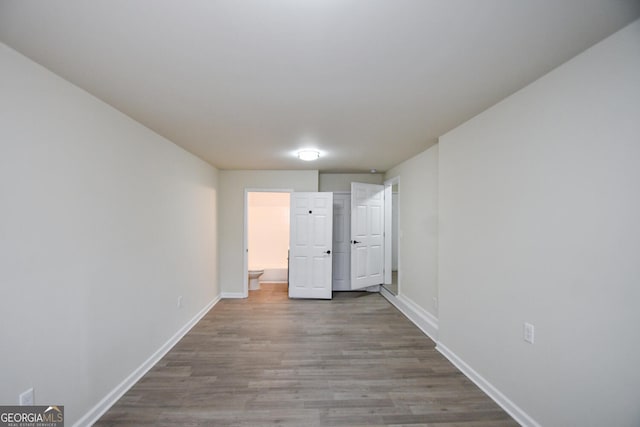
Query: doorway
(341, 241)
(393, 235)
(358, 238)
(267, 214)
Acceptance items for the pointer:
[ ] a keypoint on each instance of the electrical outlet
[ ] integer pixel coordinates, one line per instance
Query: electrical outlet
(529, 333)
(26, 398)
(179, 305)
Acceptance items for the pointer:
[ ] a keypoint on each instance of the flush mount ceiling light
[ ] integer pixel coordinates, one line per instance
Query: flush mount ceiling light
(308, 155)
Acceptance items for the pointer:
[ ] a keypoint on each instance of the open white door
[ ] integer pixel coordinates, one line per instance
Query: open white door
(367, 235)
(310, 245)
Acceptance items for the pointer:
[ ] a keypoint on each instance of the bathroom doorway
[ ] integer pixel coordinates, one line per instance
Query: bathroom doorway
(267, 214)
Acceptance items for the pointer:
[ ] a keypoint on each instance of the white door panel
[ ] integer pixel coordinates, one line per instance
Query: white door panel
(367, 235)
(310, 245)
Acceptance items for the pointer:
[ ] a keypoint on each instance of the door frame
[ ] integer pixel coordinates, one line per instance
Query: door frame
(245, 233)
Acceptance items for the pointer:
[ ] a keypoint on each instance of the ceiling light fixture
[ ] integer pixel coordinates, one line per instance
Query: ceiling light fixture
(308, 155)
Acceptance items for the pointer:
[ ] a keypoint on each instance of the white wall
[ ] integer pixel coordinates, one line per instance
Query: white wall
(231, 210)
(342, 181)
(418, 243)
(539, 222)
(268, 228)
(103, 224)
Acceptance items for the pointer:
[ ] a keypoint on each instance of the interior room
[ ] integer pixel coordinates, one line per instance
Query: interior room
(267, 241)
(497, 287)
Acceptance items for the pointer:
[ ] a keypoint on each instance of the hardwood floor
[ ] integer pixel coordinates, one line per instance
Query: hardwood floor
(268, 360)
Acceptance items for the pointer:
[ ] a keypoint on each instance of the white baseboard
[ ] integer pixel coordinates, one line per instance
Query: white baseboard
(511, 408)
(226, 295)
(275, 275)
(424, 320)
(112, 397)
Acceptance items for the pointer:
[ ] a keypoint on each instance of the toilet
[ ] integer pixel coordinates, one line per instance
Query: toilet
(254, 283)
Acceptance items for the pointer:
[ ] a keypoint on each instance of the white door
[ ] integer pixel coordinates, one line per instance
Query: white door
(341, 242)
(311, 245)
(367, 235)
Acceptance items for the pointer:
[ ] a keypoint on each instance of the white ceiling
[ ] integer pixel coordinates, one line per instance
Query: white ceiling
(244, 83)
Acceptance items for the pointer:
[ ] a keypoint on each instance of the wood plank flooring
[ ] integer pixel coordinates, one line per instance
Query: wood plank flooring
(267, 360)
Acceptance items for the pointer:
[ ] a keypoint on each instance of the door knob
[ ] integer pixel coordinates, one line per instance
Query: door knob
(355, 242)
(328, 252)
